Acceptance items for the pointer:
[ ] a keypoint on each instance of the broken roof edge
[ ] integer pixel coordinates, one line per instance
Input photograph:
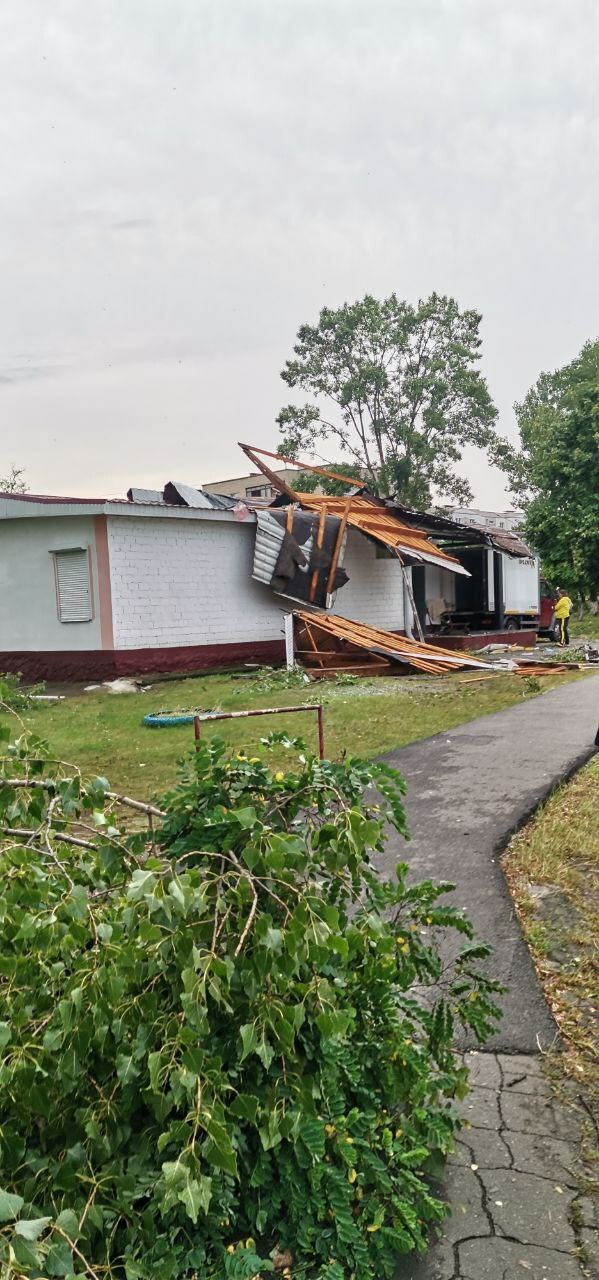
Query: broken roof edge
(483, 535)
(415, 555)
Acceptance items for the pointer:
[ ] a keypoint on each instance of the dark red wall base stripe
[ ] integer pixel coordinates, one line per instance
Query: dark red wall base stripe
(478, 639)
(106, 664)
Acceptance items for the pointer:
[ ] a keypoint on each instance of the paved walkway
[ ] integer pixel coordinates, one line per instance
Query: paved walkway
(513, 1185)
(468, 790)
(513, 1188)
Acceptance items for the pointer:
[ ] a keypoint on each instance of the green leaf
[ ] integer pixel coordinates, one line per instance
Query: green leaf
(69, 1223)
(265, 1051)
(24, 1253)
(31, 1228)
(246, 817)
(126, 1068)
(249, 1039)
(5, 1034)
(141, 883)
(333, 1024)
(59, 1259)
(10, 1205)
(245, 1105)
(196, 1196)
(221, 1158)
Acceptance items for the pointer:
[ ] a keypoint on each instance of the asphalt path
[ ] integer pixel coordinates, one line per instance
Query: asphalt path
(468, 790)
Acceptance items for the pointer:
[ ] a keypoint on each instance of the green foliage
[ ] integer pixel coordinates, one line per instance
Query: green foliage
(226, 1042)
(312, 482)
(13, 697)
(270, 679)
(556, 471)
(396, 387)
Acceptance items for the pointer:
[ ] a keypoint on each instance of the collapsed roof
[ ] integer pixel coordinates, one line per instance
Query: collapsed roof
(447, 532)
(452, 532)
(327, 644)
(383, 526)
(362, 510)
(176, 494)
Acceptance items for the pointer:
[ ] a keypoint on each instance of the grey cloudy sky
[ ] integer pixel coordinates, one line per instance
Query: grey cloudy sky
(185, 181)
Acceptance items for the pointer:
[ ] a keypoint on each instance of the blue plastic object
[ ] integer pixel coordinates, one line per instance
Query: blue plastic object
(161, 720)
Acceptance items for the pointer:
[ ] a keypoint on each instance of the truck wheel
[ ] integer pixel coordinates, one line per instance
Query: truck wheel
(511, 624)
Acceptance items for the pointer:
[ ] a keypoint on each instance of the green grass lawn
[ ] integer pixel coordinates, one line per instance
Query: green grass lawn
(103, 733)
(587, 627)
(559, 849)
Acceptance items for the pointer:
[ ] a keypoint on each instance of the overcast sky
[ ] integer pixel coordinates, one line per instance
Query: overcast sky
(184, 182)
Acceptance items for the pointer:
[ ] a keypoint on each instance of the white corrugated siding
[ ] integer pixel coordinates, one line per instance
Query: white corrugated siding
(74, 593)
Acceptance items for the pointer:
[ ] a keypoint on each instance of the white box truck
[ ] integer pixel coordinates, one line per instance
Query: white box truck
(503, 592)
(521, 590)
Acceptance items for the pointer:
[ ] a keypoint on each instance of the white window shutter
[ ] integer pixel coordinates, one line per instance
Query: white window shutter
(73, 585)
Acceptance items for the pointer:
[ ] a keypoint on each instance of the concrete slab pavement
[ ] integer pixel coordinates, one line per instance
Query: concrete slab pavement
(513, 1186)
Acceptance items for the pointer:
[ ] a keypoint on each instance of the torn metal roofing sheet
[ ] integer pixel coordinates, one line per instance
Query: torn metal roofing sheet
(374, 520)
(350, 635)
(150, 497)
(185, 495)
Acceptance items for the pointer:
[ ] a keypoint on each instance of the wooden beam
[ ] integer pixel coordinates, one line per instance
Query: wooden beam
(270, 475)
(337, 547)
(415, 613)
(322, 519)
(251, 449)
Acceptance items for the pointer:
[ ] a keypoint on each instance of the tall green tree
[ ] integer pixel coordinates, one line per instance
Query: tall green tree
(312, 482)
(396, 387)
(556, 471)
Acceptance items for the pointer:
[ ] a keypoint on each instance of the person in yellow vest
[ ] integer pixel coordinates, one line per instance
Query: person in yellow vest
(562, 610)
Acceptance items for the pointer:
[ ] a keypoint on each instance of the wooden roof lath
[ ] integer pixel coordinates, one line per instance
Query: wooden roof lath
(361, 511)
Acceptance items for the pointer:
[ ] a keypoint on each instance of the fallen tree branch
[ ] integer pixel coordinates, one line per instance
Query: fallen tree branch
(23, 832)
(51, 784)
(137, 804)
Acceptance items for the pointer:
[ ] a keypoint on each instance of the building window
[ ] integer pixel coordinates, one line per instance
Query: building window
(73, 584)
(261, 491)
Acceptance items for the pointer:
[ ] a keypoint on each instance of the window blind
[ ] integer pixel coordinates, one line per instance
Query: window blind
(73, 585)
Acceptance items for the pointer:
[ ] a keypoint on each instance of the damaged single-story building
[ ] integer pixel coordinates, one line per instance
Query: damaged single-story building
(170, 581)
(181, 579)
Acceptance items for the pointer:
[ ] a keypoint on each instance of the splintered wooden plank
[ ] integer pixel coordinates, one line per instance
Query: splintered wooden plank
(387, 645)
(322, 519)
(367, 668)
(338, 545)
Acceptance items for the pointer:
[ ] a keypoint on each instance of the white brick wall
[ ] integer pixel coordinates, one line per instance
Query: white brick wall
(188, 582)
(374, 593)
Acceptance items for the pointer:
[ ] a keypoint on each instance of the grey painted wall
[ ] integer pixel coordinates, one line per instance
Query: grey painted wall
(28, 613)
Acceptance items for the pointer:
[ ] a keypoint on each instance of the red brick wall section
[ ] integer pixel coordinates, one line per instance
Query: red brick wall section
(479, 639)
(104, 664)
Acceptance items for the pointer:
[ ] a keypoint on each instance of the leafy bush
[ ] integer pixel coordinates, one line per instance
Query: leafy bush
(226, 1046)
(13, 697)
(271, 679)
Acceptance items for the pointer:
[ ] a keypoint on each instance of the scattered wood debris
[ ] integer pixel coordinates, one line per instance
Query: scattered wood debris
(327, 644)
